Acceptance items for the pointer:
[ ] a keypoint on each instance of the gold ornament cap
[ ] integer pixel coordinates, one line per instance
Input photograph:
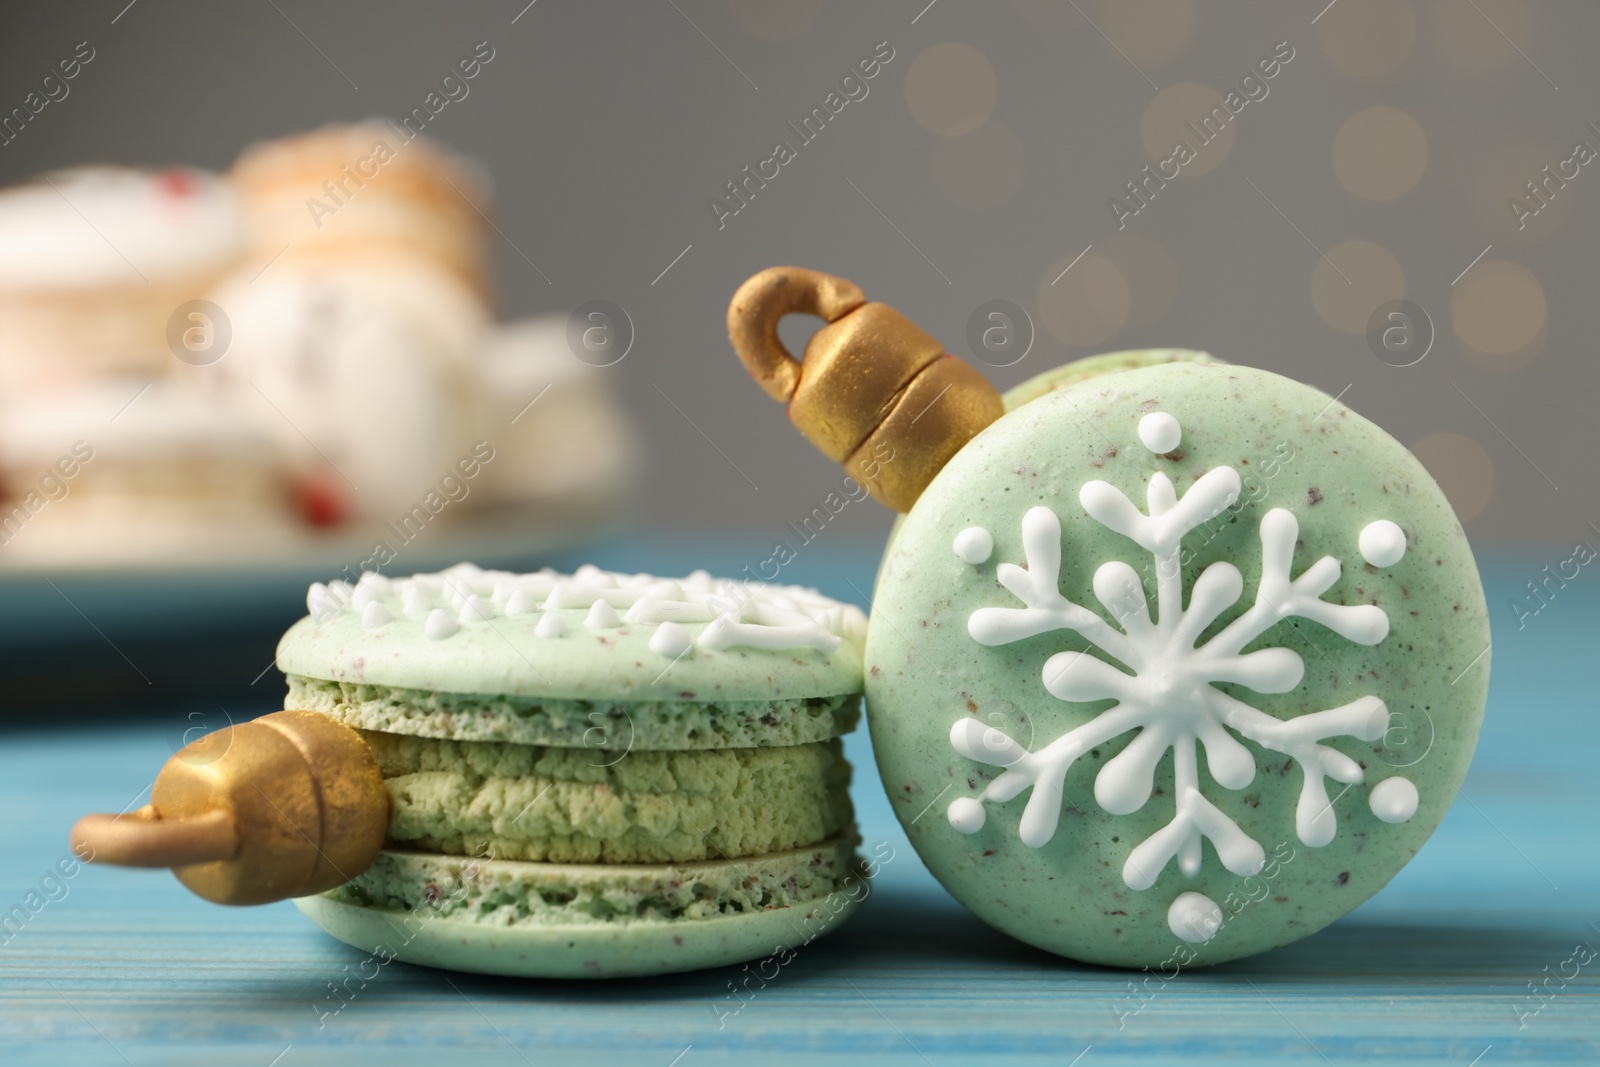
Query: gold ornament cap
(282, 806)
(873, 391)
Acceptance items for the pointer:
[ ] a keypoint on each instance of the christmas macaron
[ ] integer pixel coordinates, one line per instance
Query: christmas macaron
(590, 775)
(1175, 664)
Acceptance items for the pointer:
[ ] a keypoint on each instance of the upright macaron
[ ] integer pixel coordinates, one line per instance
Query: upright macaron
(590, 775)
(1191, 657)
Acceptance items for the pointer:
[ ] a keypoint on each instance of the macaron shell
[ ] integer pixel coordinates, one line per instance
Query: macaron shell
(557, 920)
(638, 950)
(613, 726)
(690, 639)
(1295, 449)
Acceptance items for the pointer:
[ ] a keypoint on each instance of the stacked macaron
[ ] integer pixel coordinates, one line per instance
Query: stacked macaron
(93, 263)
(593, 774)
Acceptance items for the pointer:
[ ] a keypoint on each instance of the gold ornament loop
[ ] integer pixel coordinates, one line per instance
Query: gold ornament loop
(873, 392)
(143, 839)
(766, 298)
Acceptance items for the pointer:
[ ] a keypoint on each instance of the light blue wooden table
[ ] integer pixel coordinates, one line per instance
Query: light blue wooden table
(127, 967)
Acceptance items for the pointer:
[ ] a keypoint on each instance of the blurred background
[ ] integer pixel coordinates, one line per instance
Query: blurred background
(290, 290)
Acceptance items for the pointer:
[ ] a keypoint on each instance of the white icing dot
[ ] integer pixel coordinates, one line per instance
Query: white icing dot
(322, 602)
(1382, 543)
(1160, 432)
(602, 616)
(1194, 917)
(966, 814)
(476, 609)
(670, 639)
(374, 581)
(415, 599)
(363, 596)
(521, 602)
(1394, 799)
(550, 626)
(974, 545)
(440, 624)
(374, 616)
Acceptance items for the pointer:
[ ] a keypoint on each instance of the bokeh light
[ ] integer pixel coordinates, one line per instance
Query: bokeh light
(1088, 304)
(1179, 113)
(1149, 32)
(1499, 312)
(1380, 153)
(951, 89)
(1461, 467)
(1367, 39)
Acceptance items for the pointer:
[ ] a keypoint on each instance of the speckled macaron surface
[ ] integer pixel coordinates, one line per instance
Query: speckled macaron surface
(1175, 665)
(475, 654)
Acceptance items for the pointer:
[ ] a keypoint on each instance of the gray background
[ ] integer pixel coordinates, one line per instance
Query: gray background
(608, 126)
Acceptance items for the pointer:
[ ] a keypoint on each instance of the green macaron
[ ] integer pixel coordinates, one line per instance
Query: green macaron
(590, 775)
(1176, 664)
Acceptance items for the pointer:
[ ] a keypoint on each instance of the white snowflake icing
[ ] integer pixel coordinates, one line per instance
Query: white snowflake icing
(1170, 696)
(736, 614)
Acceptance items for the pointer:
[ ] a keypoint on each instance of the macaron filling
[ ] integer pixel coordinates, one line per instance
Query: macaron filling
(575, 805)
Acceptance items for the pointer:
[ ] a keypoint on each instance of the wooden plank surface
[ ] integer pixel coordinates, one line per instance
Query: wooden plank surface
(126, 967)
